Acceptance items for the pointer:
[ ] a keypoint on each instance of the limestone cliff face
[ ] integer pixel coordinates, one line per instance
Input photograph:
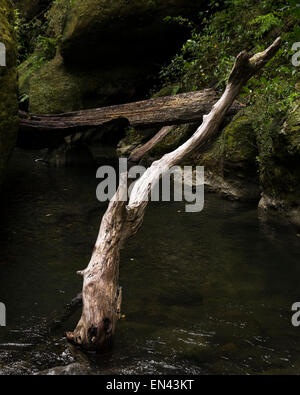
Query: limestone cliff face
(8, 87)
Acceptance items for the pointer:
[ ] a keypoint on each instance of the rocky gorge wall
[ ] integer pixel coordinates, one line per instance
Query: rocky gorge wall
(257, 157)
(104, 52)
(111, 54)
(8, 87)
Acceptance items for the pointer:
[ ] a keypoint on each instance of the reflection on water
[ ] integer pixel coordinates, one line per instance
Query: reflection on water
(204, 293)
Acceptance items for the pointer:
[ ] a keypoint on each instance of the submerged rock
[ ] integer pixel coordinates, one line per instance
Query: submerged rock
(8, 83)
(271, 210)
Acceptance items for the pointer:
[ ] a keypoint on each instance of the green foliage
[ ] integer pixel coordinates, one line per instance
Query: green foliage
(23, 98)
(264, 23)
(28, 34)
(45, 51)
(206, 59)
(57, 16)
(37, 35)
(207, 56)
(47, 46)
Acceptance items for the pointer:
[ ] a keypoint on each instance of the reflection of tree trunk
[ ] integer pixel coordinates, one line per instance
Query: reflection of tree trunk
(57, 319)
(101, 293)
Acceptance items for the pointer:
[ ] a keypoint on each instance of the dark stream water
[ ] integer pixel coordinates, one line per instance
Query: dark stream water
(204, 293)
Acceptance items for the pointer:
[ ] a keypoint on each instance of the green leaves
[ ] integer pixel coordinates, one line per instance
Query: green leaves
(206, 57)
(264, 23)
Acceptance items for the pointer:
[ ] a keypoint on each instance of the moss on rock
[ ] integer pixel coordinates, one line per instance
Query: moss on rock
(51, 89)
(280, 173)
(231, 163)
(8, 91)
(235, 151)
(258, 153)
(177, 137)
(54, 87)
(291, 132)
(107, 52)
(108, 30)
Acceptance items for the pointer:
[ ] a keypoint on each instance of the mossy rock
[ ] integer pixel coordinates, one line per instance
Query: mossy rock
(136, 138)
(50, 88)
(8, 83)
(230, 163)
(114, 31)
(178, 136)
(282, 179)
(108, 52)
(53, 87)
(292, 132)
(235, 151)
(25, 72)
(251, 152)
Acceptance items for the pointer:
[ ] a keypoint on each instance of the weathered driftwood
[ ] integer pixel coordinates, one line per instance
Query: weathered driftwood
(140, 152)
(101, 292)
(162, 111)
(58, 318)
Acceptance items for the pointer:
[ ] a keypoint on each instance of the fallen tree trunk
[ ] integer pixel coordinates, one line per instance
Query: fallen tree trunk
(162, 111)
(101, 292)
